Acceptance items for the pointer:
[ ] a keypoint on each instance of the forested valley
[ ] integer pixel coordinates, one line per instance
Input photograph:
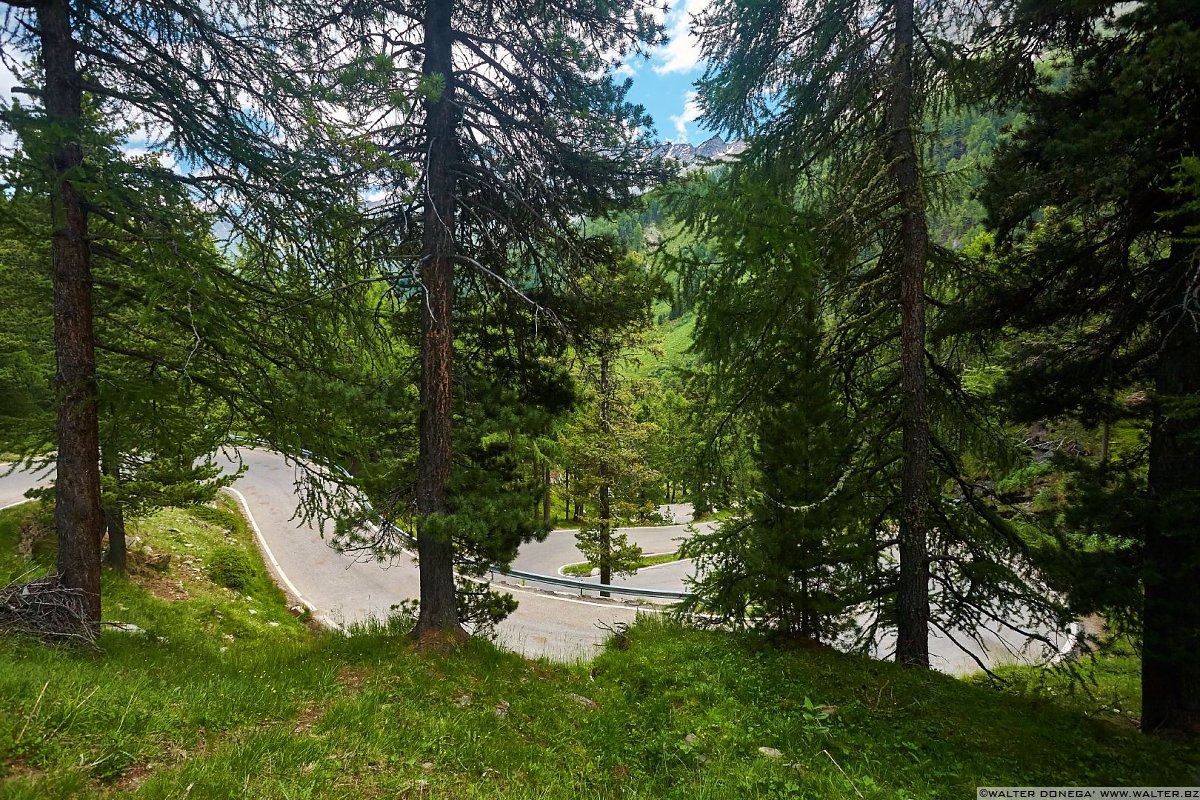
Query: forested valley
(904, 362)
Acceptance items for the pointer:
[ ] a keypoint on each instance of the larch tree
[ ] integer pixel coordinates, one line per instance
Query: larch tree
(838, 100)
(211, 85)
(1094, 201)
(836, 85)
(518, 133)
(156, 431)
(796, 559)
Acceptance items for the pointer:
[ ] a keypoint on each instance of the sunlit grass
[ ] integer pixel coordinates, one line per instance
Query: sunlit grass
(215, 702)
(585, 569)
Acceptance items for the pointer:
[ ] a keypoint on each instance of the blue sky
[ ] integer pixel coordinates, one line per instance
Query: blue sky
(663, 84)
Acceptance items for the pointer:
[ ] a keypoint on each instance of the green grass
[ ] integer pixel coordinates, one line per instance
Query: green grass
(585, 569)
(213, 702)
(666, 349)
(1106, 688)
(721, 515)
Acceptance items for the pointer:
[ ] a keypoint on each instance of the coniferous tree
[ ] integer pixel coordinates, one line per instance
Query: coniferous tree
(212, 87)
(837, 98)
(838, 85)
(518, 133)
(798, 558)
(1096, 223)
(160, 408)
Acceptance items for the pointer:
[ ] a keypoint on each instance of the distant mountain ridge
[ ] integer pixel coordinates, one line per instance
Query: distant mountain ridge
(714, 149)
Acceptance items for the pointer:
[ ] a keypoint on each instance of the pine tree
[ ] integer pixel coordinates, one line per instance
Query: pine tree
(214, 88)
(836, 84)
(519, 132)
(1096, 223)
(605, 450)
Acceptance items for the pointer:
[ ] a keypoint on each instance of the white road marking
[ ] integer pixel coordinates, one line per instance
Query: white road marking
(266, 548)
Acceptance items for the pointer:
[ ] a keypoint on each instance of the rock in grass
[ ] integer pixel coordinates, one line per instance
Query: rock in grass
(159, 561)
(502, 709)
(586, 702)
(771, 752)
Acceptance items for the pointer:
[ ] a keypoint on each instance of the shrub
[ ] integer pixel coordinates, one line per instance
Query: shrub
(231, 567)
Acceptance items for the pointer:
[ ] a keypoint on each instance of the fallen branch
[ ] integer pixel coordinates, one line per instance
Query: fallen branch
(46, 609)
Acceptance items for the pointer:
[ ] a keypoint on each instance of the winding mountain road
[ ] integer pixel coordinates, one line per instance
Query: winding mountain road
(341, 589)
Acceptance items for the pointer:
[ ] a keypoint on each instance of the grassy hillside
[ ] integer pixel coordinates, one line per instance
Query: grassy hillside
(666, 349)
(226, 694)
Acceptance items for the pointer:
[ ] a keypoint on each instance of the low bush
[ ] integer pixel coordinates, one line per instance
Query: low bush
(231, 567)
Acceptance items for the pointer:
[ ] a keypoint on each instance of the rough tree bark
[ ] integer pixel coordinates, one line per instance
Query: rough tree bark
(1171, 612)
(912, 594)
(438, 609)
(77, 518)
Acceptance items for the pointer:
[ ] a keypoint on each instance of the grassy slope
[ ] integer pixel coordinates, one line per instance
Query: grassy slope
(666, 349)
(585, 569)
(281, 712)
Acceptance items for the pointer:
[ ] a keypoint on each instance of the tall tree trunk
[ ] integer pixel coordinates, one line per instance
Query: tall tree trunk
(912, 594)
(114, 515)
(535, 470)
(438, 610)
(1171, 614)
(605, 491)
(78, 520)
(605, 531)
(566, 494)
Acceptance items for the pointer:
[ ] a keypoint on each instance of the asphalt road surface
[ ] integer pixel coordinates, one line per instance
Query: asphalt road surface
(341, 589)
(14, 486)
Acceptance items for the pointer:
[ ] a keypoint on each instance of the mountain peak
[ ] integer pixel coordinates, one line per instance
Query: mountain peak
(713, 149)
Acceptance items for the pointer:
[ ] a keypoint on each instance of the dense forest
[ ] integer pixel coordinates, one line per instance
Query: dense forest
(927, 344)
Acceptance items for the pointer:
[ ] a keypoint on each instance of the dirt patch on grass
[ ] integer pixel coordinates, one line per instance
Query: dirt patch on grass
(162, 585)
(17, 768)
(440, 642)
(351, 679)
(309, 717)
(174, 755)
(134, 777)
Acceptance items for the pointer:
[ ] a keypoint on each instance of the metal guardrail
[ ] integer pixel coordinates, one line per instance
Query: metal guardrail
(552, 580)
(587, 586)
(558, 580)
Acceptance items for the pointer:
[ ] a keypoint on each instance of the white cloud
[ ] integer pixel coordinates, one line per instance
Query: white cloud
(682, 52)
(691, 112)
